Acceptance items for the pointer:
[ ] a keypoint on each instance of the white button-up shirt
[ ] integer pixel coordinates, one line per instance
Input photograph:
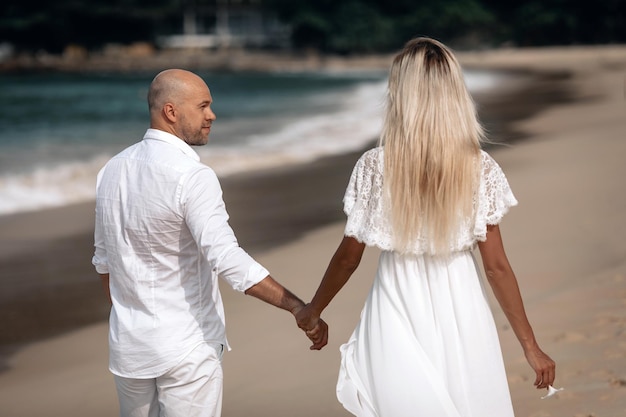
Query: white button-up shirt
(162, 235)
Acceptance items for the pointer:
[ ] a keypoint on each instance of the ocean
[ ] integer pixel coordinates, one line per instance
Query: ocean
(58, 130)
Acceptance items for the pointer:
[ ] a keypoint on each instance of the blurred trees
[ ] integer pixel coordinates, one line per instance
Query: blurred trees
(379, 25)
(366, 25)
(340, 26)
(559, 22)
(51, 25)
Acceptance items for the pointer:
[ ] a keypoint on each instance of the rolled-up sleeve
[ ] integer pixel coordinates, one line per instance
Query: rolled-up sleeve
(205, 215)
(240, 270)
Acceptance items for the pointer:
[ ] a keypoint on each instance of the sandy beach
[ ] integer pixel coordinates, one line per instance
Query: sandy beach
(561, 122)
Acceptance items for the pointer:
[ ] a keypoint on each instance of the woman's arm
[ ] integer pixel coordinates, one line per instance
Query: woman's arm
(506, 290)
(341, 267)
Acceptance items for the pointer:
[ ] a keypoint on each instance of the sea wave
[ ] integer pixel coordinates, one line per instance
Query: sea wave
(50, 187)
(354, 121)
(300, 140)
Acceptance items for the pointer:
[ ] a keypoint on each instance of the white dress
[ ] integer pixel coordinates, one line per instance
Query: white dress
(426, 344)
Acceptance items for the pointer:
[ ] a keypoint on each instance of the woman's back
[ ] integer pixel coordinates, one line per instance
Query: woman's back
(431, 136)
(369, 213)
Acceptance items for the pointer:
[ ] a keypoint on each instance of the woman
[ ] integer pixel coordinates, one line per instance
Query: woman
(426, 343)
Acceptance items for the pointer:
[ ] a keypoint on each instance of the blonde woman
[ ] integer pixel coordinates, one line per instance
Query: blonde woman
(426, 343)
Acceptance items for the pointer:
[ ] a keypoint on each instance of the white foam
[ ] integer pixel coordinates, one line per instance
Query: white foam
(479, 81)
(356, 123)
(65, 184)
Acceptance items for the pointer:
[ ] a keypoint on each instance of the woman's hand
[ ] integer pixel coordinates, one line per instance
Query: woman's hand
(314, 327)
(543, 365)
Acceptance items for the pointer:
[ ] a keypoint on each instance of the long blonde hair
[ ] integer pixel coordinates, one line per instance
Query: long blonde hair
(431, 137)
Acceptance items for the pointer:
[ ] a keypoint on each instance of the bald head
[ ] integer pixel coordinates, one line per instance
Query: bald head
(176, 97)
(171, 86)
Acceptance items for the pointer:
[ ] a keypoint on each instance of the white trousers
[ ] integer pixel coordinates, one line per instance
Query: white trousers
(193, 388)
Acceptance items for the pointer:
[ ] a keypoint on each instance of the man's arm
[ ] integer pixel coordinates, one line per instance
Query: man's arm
(273, 293)
(207, 220)
(105, 286)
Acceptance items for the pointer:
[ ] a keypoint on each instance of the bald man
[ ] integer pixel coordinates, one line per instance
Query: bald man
(162, 240)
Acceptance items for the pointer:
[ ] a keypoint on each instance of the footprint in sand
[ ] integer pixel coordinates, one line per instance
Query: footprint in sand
(570, 337)
(602, 374)
(614, 354)
(610, 319)
(517, 379)
(617, 382)
(540, 413)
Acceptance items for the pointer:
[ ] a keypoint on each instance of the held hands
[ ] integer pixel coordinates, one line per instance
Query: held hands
(315, 328)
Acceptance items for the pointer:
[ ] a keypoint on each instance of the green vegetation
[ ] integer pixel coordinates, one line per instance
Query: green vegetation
(339, 26)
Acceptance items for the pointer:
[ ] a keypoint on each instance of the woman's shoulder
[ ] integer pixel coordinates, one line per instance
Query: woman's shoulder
(368, 169)
(374, 153)
(371, 158)
(487, 162)
(485, 157)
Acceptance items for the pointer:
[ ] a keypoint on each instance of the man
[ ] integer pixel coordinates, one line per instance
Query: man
(162, 239)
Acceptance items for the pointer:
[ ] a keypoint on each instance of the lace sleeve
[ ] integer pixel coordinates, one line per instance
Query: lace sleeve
(363, 202)
(352, 191)
(495, 197)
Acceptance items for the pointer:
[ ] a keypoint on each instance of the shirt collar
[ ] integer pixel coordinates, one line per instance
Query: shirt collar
(157, 134)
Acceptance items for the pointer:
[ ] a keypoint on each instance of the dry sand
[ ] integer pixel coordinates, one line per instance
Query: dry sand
(565, 241)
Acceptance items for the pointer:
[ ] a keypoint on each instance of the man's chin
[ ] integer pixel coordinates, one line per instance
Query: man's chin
(199, 142)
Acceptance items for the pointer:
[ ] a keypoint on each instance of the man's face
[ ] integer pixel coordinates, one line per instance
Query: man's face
(196, 117)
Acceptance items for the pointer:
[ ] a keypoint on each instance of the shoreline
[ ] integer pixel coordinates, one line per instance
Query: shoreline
(565, 241)
(143, 57)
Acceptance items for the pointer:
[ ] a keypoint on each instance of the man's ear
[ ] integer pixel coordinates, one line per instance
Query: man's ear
(170, 113)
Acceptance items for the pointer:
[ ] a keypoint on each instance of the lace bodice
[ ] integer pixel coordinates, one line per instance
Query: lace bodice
(368, 218)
